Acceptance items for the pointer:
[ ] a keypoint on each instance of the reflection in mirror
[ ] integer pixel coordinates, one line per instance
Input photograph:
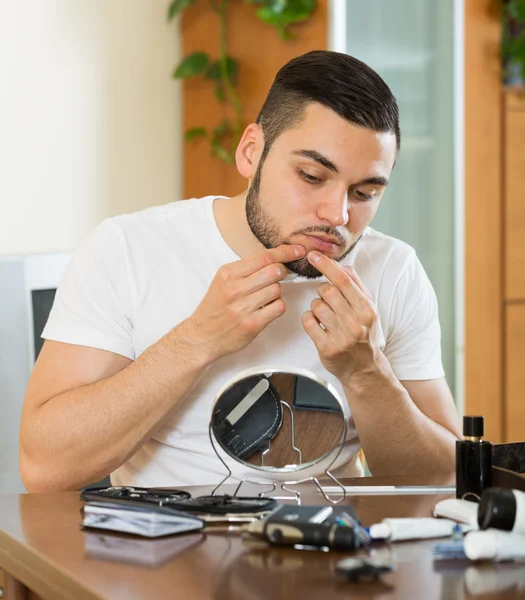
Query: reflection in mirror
(277, 420)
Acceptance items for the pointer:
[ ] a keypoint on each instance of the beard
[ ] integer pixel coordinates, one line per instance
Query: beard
(267, 231)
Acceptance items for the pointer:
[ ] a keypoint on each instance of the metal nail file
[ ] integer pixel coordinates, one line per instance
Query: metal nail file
(248, 401)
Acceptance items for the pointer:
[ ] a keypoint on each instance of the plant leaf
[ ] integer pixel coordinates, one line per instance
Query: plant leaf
(177, 6)
(222, 129)
(194, 132)
(516, 10)
(214, 70)
(191, 65)
(281, 13)
(269, 16)
(219, 92)
(220, 151)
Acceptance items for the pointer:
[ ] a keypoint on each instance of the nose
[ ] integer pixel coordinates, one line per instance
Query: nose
(334, 209)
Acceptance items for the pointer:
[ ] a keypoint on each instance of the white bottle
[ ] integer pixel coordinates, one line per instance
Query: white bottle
(411, 529)
(494, 544)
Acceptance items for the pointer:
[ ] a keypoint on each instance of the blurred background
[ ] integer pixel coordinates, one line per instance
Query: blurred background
(111, 106)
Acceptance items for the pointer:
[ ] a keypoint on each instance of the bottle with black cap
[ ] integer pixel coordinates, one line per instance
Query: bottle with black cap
(502, 509)
(473, 460)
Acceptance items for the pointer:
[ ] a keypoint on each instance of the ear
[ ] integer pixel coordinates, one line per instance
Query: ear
(249, 151)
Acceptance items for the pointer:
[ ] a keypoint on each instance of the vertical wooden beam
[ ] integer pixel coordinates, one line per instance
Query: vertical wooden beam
(13, 589)
(514, 185)
(260, 53)
(484, 215)
(514, 240)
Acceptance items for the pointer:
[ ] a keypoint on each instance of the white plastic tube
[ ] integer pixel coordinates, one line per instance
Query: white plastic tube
(493, 544)
(412, 529)
(462, 511)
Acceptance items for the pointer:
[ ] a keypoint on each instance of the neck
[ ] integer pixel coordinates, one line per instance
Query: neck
(230, 216)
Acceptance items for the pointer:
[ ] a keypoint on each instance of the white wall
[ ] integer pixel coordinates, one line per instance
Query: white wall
(90, 119)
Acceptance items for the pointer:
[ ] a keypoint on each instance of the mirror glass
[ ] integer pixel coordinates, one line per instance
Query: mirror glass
(273, 420)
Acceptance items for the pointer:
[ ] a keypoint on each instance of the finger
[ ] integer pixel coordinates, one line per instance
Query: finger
(264, 277)
(335, 273)
(263, 317)
(347, 321)
(313, 329)
(323, 313)
(282, 254)
(353, 274)
(264, 296)
(334, 298)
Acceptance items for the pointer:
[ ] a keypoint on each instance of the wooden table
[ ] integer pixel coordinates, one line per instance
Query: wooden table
(42, 547)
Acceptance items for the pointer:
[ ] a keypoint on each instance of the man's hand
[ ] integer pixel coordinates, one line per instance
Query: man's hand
(404, 427)
(341, 320)
(244, 298)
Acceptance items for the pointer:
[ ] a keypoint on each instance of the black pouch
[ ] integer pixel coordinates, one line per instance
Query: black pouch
(253, 430)
(176, 500)
(135, 496)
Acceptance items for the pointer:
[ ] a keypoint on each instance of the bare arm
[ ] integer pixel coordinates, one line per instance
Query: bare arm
(87, 410)
(404, 427)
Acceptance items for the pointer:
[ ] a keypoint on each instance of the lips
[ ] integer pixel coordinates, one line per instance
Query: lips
(325, 238)
(323, 243)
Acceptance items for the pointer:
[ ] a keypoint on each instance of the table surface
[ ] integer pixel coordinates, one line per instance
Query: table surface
(43, 546)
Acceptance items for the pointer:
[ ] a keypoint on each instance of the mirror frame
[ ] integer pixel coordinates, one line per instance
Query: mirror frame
(272, 475)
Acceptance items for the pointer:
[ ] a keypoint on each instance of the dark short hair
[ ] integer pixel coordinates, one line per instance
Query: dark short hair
(335, 80)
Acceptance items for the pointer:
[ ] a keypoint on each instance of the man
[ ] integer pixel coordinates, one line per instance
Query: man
(158, 309)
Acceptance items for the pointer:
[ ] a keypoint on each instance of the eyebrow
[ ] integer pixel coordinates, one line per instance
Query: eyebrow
(328, 164)
(318, 157)
(373, 181)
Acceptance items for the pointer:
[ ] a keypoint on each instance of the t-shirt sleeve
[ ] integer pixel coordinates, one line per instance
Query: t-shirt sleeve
(413, 345)
(93, 303)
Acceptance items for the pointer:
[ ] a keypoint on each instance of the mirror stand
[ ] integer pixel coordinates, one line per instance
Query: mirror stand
(296, 495)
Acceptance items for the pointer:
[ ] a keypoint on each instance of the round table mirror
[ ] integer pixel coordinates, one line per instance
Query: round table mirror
(287, 424)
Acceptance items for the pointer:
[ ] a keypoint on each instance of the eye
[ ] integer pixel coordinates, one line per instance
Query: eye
(309, 178)
(363, 196)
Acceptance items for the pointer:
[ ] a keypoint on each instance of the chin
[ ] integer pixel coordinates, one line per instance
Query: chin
(303, 268)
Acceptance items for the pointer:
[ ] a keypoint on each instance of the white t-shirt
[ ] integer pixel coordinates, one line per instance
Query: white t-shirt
(137, 276)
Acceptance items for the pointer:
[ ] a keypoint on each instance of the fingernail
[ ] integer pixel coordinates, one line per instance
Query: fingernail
(314, 256)
(298, 251)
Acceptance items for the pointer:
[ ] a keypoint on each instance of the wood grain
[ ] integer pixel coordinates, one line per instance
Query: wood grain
(514, 97)
(484, 215)
(45, 549)
(515, 373)
(261, 54)
(515, 201)
(13, 589)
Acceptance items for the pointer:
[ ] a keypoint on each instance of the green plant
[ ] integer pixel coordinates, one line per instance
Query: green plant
(514, 37)
(223, 72)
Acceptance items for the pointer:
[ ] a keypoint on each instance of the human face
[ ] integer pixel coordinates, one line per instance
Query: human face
(320, 187)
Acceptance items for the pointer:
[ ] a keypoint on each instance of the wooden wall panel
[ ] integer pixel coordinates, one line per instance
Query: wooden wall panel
(483, 213)
(515, 202)
(515, 373)
(514, 98)
(260, 53)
